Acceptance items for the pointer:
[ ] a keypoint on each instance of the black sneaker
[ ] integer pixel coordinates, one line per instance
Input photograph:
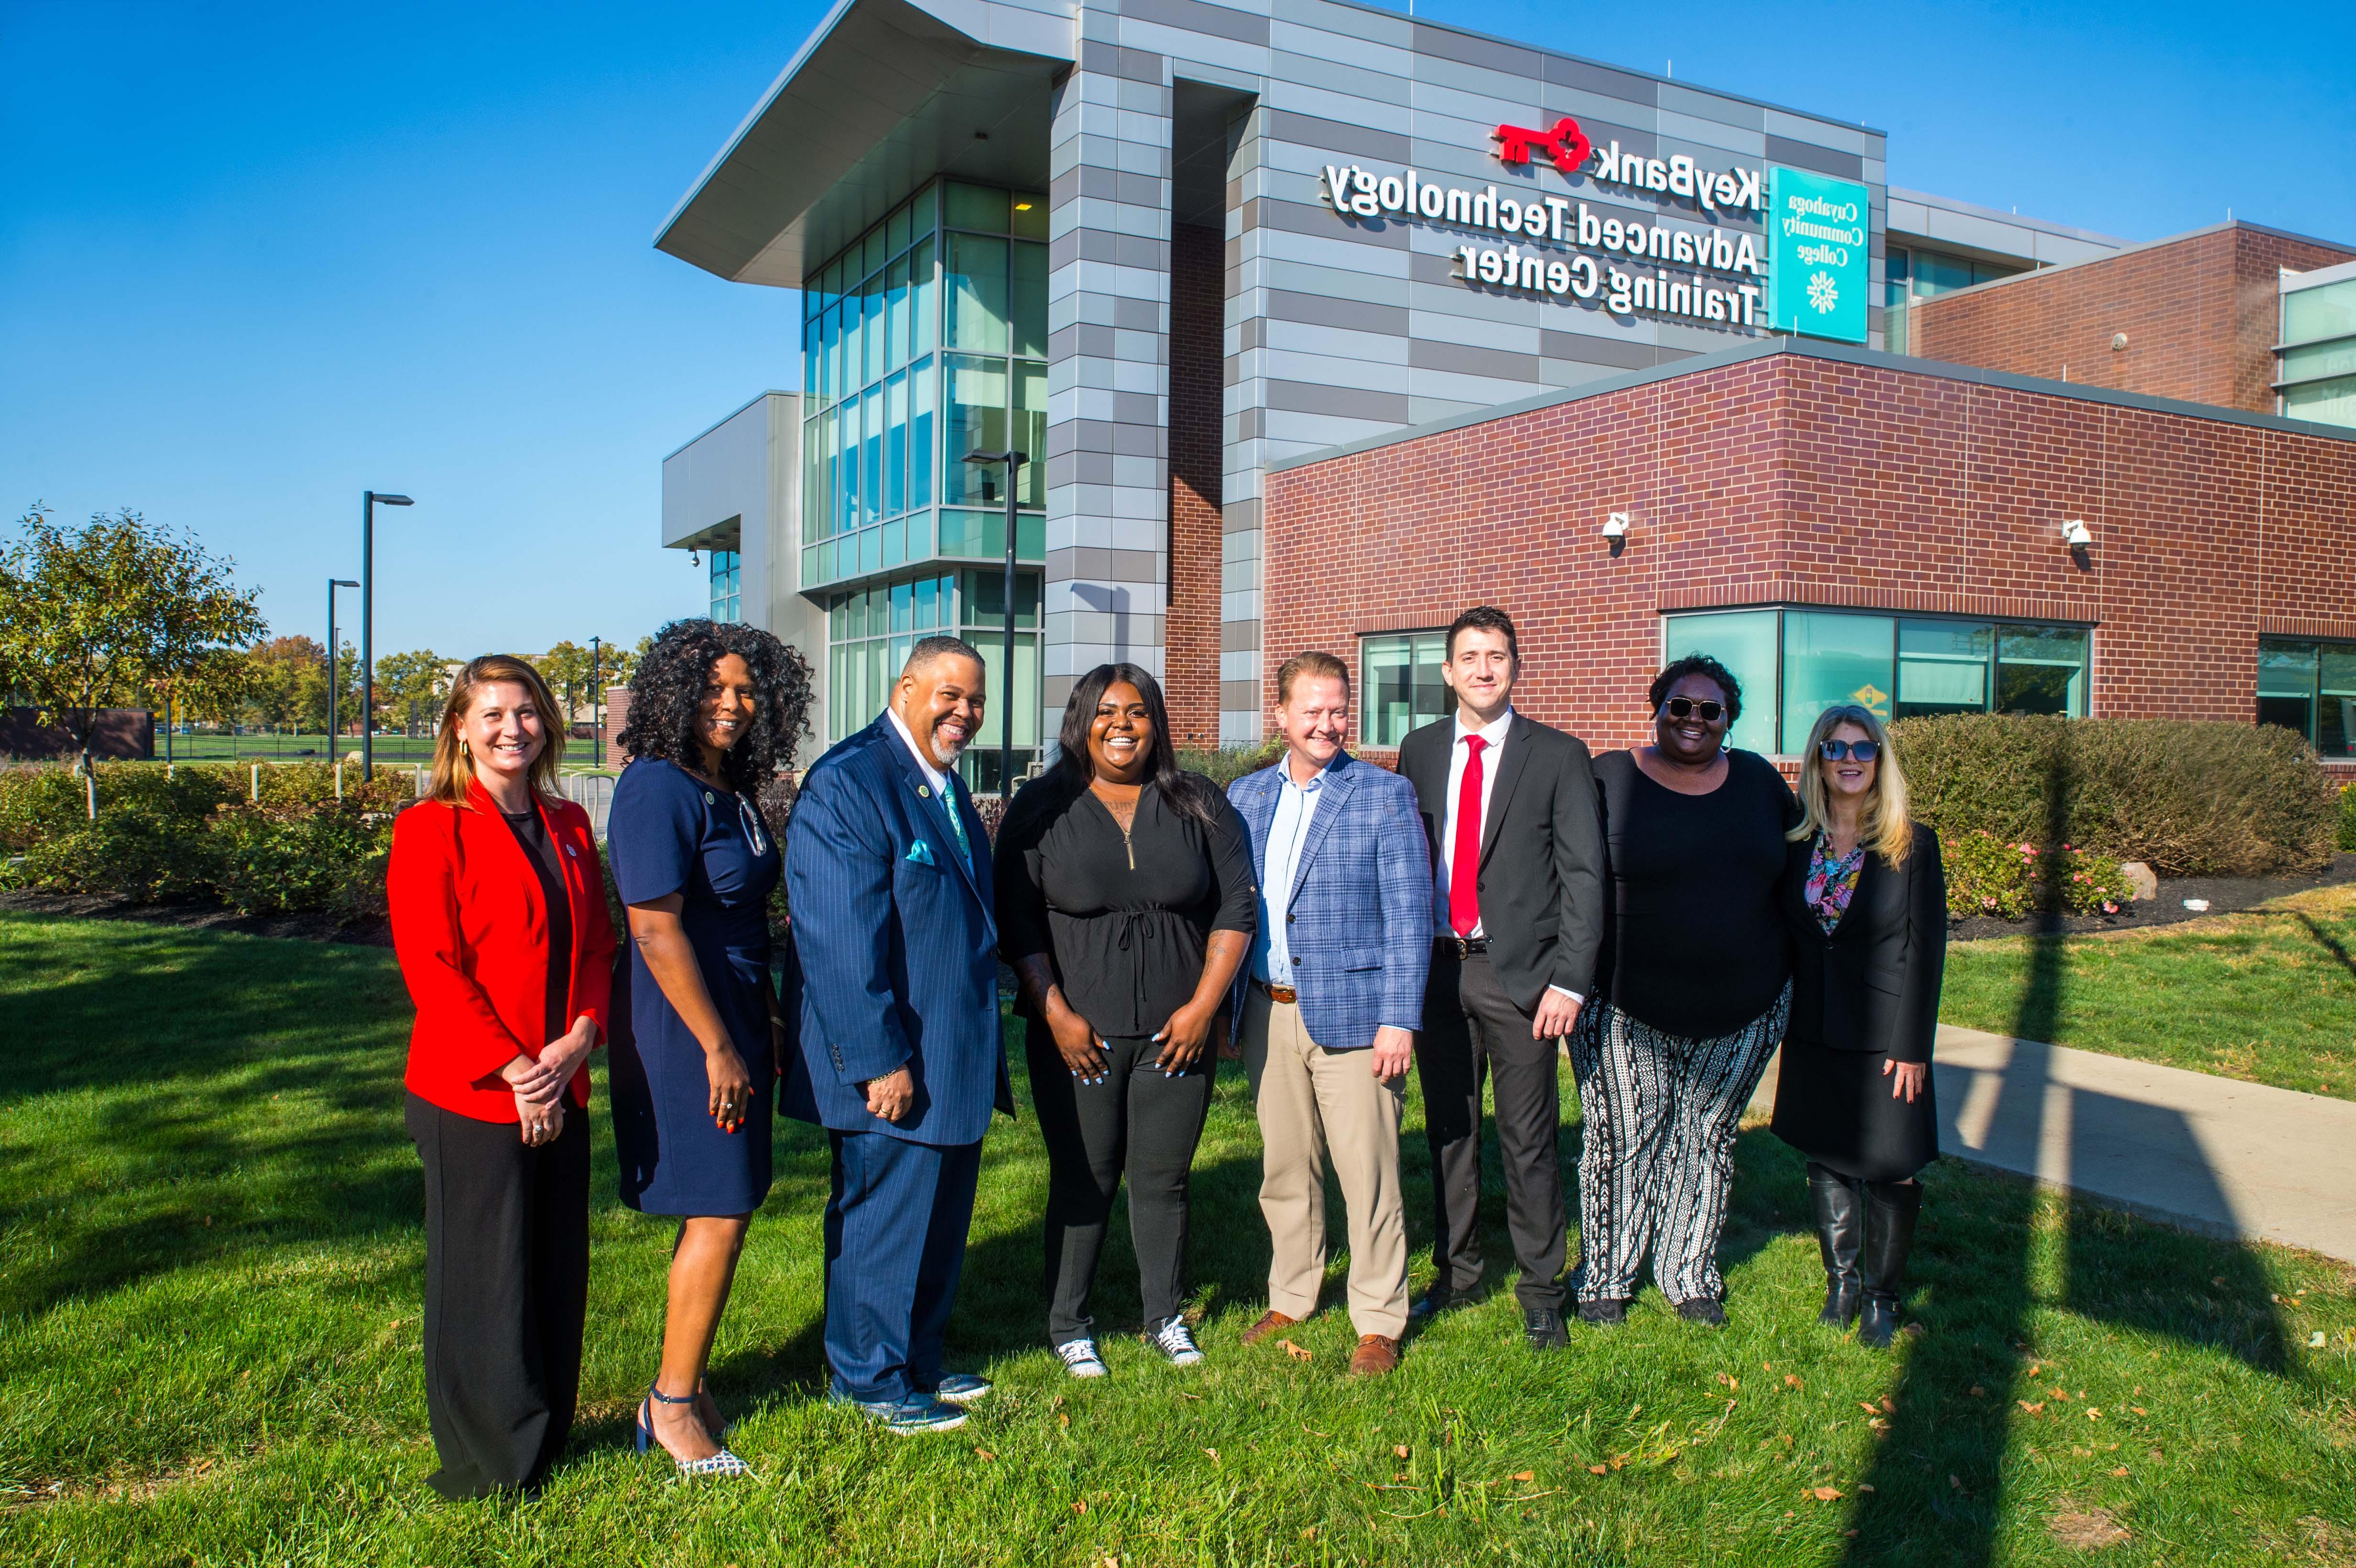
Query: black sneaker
(1609, 1312)
(1703, 1309)
(1542, 1327)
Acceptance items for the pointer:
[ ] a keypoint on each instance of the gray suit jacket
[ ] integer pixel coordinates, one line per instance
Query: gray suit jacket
(1541, 876)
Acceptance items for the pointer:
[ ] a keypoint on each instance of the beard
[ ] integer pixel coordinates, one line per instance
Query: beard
(947, 750)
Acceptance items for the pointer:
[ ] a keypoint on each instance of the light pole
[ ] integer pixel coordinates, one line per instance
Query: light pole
(1013, 460)
(369, 502)
(596, 690)
(335, 659)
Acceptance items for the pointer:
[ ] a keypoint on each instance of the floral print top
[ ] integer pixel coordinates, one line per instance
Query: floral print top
(1832, 879)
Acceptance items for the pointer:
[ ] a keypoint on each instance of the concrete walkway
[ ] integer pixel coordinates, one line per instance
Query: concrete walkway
(2210, 1154)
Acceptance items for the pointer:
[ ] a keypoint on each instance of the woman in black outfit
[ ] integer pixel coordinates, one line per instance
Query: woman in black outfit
(1696, 977)
(1126, 905)
(1867, 904)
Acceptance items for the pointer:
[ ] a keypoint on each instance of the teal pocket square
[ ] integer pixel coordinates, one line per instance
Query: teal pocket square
(921, 853)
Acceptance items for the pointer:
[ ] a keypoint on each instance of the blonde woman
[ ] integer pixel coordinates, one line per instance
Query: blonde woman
(1866, 905)
(498, 918)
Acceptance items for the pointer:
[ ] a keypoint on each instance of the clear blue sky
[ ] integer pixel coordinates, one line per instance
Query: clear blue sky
(256, 257)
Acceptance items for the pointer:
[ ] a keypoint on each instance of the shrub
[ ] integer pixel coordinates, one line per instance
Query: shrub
(131, 851)
(40, 803)
(269, 860)
(1228, 763)
(2348, 816)
(1988, 875)
(2186, 798)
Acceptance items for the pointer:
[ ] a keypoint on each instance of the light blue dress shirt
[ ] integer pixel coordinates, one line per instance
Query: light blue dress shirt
(1296, 804)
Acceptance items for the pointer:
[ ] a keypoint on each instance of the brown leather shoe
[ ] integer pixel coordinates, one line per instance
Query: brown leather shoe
(1375, 1354)
(1271, 1322)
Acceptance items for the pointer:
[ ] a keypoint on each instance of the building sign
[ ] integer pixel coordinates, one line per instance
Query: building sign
(1819, 254)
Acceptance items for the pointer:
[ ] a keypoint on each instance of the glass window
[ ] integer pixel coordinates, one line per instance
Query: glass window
(727, 579)
(870, 456)
(830, 352)
(873, 337)
(1399, 685)
(895, 314)
(2318, 360)
(977, 293)
(976, 399)
(896, 446)
(846, 470)
(1943, 667)
(2335, 713)
(920, 213)
(2325, 402)
(1829, 659)
(813, 478)
(2326, 311)
(1029, 301)
(1937, 274)
(2040, 670)
(1031, 431)
(1744, 642)
(921, 451)
(896, 231)
(871, 250)
(1030, 215)
(976, 207)
(813, 337)
(923, 301)
(2287, 686)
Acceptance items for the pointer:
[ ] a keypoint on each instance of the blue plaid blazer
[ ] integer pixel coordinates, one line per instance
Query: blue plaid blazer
(1360, 914)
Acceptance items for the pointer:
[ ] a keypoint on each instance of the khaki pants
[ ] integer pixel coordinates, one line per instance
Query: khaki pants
(1312, 1103)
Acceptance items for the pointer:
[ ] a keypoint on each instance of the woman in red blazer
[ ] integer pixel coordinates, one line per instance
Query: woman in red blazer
(498, 916)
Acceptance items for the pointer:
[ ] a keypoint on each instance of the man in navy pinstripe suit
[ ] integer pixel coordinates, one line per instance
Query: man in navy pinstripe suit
(1331, 1003)
(901, 1060)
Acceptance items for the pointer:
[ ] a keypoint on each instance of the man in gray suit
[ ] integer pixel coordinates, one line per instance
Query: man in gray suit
(1509, 809)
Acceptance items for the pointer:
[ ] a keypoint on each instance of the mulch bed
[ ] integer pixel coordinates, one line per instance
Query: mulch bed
(2225, 894)
(311, 927)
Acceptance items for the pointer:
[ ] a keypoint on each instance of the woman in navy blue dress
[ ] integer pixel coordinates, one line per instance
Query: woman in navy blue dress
(715, 709)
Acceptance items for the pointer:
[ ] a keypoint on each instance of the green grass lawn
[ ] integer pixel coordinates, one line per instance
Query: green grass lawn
(209, 1271)
(2269, 995)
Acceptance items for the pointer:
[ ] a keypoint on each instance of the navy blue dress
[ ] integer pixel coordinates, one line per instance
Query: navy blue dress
(670, 834)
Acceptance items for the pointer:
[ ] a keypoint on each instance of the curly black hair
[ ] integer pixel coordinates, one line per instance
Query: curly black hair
(1709, 669)
(669, 685)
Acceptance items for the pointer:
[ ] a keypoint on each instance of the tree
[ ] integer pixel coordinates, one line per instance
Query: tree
(280, 665)
(566, 667)
(118, 612)
(311, 699)
(576, 675)
(409, 688)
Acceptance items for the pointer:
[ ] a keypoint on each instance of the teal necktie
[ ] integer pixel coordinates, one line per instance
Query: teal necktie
(957, 820)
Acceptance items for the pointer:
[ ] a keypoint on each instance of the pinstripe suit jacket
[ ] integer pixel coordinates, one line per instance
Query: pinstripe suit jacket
(1359, 918)
(897, 947)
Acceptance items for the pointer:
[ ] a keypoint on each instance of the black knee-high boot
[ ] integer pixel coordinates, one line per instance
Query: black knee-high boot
(1890, 1207)
(1840, 1227)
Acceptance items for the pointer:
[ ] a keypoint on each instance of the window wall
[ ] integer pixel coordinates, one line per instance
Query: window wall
(1920, 274)
(1794, 662)
(871, 630)
(923, 341)
(1398, 684)
(2309, 688)
(2317, 373)
(727, 585)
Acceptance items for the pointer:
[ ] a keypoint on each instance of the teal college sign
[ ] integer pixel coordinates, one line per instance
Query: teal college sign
(1819, 262)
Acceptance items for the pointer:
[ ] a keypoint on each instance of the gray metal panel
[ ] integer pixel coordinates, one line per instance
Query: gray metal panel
(1809, 156)
(1335, 136)
(1340, 402)
(1326, 310)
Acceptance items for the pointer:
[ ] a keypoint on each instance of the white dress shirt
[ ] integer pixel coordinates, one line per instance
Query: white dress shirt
(1296, 804)
(940, 780)
(1492, 755)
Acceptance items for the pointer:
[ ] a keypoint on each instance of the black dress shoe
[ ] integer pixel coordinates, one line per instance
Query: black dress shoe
(1703, 1309)
(1431, 1303)
(1542, 1327)
(1609, 1312)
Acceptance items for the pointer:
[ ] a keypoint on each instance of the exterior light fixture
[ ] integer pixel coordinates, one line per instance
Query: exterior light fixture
(2076, 535)
(369, 501)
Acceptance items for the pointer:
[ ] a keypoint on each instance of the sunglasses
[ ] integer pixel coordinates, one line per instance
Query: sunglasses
(1685, 707)
(1838, 750)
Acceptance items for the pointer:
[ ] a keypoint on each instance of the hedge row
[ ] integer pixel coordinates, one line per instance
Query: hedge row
(2187, 799)
(2348, 816)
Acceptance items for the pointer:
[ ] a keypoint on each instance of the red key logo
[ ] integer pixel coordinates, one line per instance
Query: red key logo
(1566, 145)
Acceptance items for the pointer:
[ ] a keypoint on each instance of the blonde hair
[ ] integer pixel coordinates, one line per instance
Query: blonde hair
(454, 770)
(1883, 825)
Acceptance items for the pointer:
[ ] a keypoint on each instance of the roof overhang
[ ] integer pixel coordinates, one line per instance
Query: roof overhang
(883, 96)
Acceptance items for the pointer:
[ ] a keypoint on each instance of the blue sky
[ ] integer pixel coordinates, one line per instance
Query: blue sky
(256, 257)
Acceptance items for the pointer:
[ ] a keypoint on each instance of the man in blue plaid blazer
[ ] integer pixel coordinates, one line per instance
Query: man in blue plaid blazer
(1330, 1003)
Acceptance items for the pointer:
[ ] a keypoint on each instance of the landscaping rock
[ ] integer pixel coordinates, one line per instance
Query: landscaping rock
(2141, 878)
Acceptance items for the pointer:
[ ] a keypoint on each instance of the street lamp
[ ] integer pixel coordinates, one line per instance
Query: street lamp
(596, 690)
(1013, 460)
(369, 502)
(335, 659)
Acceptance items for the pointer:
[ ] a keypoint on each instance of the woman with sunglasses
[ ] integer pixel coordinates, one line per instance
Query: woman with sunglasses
(1866, 901)
(715, 709)
(1694, 978)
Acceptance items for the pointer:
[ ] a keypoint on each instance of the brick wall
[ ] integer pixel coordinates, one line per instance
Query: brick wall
(1190, 632)
(2199, 313)
(618, 713)
(1799, 479)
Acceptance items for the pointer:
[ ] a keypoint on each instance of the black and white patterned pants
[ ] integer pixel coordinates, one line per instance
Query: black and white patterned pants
(1657, 1161)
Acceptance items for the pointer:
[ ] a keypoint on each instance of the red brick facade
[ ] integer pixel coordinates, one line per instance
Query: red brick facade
(1191, 632)
(2201, 315)
(1791, 477)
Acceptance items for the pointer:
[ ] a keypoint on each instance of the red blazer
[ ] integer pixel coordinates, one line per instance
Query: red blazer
(470, 926)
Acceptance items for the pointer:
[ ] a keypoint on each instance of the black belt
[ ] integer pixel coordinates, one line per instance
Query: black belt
(1462, 946)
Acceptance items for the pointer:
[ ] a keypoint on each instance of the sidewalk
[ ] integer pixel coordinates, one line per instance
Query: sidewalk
(2210, 1154)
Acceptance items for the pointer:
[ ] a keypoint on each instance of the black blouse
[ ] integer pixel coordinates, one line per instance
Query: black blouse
(1696, 943)
(531, 832)
(1124, 917)
(1872, 983)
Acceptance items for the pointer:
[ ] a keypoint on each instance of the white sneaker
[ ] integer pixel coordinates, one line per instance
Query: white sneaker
(1176, 1343)
(1080, 1358)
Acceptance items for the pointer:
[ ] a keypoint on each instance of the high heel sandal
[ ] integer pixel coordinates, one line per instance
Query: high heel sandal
(721, 1463)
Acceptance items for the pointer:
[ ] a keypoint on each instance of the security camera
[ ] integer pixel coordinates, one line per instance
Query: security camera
(1615, 525)
(2075, 534)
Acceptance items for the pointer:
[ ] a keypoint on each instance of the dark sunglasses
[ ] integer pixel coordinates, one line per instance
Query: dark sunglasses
(1836, 751)
(1685, 707)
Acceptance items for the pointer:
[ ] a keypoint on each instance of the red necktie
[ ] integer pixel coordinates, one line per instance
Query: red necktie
(1464, 857)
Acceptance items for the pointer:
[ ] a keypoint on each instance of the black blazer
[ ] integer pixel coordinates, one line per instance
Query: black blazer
(1541, 874)
(1873, 984)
